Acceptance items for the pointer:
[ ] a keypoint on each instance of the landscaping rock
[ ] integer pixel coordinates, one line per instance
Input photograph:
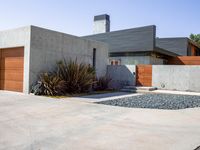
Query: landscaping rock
(157, 101)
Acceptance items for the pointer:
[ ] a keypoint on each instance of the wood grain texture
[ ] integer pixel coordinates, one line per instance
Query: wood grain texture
(184, 60)
(144, 75)
(11, 69)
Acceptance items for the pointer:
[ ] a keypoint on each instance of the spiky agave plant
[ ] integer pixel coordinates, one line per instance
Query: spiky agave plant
(69, 77)
(78, 77)
(50, 84)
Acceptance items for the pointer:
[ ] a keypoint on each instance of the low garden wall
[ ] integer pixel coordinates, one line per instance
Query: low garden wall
(169, 77)
(176, 77)
(121, 75)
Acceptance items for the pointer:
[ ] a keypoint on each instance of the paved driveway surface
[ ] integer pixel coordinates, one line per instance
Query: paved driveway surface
(41, 123)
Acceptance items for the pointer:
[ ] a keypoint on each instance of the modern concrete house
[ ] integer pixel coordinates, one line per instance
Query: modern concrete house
(138, 58)
(140, 45)
(26, 52)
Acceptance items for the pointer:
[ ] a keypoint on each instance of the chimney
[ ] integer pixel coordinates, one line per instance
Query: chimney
(101, 24)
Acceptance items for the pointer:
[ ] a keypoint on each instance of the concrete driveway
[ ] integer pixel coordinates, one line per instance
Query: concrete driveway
(41, 123)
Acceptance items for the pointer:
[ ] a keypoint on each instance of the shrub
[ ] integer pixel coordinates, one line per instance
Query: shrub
(79, 77)
(102, 83)
(68, 77)
(50, 84)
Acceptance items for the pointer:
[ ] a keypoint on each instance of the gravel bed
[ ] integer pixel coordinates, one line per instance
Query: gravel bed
(156, 101)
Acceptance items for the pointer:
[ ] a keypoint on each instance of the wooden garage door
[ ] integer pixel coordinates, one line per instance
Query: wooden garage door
(144, 75)
(11, 69)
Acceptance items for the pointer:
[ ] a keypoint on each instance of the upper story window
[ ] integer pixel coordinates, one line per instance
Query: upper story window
(115, 62)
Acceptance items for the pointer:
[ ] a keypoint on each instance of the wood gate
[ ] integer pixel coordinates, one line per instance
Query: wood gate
(144, 75)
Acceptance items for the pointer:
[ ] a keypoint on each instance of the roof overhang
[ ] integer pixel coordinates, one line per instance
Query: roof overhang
(165, 52)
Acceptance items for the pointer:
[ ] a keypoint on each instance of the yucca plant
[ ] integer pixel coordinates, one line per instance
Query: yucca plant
(78, 77)
(50, 84)
(68, 78)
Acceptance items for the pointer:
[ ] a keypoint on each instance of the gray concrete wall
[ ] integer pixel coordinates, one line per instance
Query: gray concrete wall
(135, 60)
(48, 47)
(18, 38)
(176, 77)
(121, 75)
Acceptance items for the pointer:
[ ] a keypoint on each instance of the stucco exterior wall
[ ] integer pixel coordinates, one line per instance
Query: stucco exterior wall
(18, 38)
(176, 77)
(48, 47)
(121, 75)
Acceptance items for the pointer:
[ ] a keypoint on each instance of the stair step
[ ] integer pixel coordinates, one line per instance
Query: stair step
(127, 90)
(140, 88)
(135, 91)
(130, 87)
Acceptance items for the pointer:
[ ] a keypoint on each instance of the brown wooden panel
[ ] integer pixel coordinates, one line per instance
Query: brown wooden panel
(16, 75)
(144, 75)
(11, 85)
(184, 60)
(11, 69)
(144, 79)
(193, 50)
(12, 63)
(142, 83)
(12, 52)
(188, 58)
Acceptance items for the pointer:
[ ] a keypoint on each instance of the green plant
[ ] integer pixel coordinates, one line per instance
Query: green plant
(68, 78)
(102, 83)
(49, 84)
(79, 77)
(195, 38)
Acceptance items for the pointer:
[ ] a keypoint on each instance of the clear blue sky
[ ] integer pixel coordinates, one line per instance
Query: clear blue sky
(172, 17)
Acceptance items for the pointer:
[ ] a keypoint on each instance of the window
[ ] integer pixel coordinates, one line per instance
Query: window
(198, 52)
(94, 58)
(115, 62)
